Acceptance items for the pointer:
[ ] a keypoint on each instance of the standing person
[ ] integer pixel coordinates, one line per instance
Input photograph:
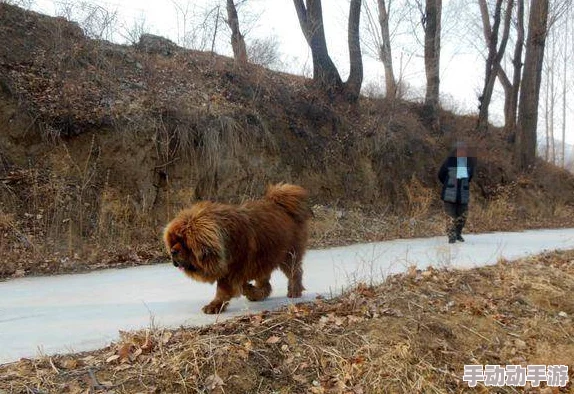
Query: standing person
(455, 175)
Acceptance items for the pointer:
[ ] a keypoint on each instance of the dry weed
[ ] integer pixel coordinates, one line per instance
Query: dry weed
(184, 125)
(419, 199)
(413, 333)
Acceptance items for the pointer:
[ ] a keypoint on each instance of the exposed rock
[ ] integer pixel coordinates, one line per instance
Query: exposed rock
(151, 43)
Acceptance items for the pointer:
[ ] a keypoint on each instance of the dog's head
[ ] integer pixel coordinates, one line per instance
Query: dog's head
(194, 241)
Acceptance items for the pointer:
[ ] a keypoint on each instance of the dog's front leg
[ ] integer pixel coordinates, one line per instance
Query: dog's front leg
(223, 294)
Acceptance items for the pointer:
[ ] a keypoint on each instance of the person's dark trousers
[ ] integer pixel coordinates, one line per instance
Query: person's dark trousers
(457, 214)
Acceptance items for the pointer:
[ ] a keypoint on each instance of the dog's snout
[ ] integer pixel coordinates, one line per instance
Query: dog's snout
(174, 253)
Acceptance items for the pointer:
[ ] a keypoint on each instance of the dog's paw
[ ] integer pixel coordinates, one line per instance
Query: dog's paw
(295, 293)
(214, 308)
(250, 292)
(256, 293)
(295, 290)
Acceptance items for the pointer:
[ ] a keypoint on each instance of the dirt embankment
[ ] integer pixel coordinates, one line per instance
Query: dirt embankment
(100, 144)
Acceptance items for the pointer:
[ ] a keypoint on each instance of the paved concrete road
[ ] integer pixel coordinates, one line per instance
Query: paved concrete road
(47, 315)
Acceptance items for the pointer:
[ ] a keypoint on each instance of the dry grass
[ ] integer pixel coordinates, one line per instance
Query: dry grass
(344, 226)
(412, 334)
(71, 226)
(88, 181)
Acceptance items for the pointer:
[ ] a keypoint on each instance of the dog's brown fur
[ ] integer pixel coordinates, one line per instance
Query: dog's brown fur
(235, 244)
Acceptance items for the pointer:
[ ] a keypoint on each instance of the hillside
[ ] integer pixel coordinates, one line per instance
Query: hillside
(100, 144)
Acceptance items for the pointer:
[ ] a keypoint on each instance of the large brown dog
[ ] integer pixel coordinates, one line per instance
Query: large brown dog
(235, 244)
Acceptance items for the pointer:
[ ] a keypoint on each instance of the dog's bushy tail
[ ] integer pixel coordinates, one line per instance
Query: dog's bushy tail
(292, 198)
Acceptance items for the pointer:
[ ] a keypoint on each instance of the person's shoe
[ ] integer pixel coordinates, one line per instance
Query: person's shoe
(459, 238)
(451, 240)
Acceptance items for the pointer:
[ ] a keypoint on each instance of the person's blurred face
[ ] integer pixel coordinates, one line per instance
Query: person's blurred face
(461, 151)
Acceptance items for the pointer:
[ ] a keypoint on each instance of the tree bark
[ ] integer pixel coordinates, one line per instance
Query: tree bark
(432, 27)
(511, 102)
(495, 54)
(311, 20)
(546, 120)
(564, 92)
(385, 51)
(355, 80)
(525, 144)
(552, 102)
(237, 40)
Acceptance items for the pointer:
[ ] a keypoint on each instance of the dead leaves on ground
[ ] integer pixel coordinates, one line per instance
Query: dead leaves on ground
(132, 347)
(415, 330)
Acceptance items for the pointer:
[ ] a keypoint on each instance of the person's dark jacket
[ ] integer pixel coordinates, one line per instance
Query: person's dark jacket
(455, 190)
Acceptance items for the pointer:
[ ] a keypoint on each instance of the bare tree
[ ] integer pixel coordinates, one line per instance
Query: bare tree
(550, 100)
(564, 89)
(554, 81)
(551, 109)
(379, 42)
(197, 27)
(237, 40)
(495, 54)
(511, 89)
(264, 51)
(96, 21)
(432, 28)
(385, 49)
(183, 16)
(216, 29)
(355, 80)
(26, 4)
(525, 143)
(325, 73)
(132, 32)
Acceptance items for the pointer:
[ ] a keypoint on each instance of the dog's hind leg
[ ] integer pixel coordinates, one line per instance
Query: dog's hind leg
(260, 291)
(294, 272)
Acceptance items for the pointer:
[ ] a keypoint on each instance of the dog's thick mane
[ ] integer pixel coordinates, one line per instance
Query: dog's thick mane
(199, 220)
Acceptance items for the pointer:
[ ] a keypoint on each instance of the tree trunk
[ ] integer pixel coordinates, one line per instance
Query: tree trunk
(495, 55)
(432, 27)
(355, 80)
(385, 51)
(237, 40)
(525, 144)
(564, 92)
(511, 102)
(311, 20)
(546, 120)
(552, 102)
